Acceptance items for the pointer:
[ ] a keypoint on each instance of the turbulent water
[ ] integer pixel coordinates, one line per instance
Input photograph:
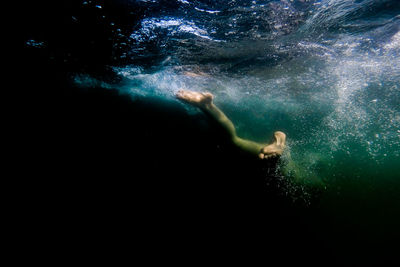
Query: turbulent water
(325, 72)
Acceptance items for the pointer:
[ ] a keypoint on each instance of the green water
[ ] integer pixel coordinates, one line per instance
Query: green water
(338, 103)
(341, 120)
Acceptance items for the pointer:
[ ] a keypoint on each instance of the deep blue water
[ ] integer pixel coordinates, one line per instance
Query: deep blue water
(325, 72)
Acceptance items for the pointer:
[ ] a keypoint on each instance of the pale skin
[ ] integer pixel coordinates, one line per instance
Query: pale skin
(204, 101)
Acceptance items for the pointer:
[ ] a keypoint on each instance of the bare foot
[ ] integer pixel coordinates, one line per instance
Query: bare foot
(204, 101)
(276, 148)
(195, 98)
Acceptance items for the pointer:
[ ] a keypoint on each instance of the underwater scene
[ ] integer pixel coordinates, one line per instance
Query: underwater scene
(153, 175)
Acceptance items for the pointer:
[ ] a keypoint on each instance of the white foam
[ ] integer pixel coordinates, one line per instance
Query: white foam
(173, 25)
(207, 11)
(394, 43)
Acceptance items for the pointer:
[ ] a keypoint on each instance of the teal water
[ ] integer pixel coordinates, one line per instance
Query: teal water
(327, 74)
(338, 106)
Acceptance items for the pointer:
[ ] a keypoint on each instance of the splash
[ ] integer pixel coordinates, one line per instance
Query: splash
(325, 72)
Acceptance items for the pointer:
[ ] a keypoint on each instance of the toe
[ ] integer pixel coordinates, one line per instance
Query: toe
(184, 95)
(265, 150)
(270, 156)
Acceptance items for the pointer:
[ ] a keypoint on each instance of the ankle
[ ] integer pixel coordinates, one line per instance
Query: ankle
(208, 106)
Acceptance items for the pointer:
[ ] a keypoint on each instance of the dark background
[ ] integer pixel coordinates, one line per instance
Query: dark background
(116, 179)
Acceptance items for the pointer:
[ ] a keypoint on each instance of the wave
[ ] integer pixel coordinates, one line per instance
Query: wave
(326, 72)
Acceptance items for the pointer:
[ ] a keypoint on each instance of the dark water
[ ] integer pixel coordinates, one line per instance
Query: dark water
(137, 168)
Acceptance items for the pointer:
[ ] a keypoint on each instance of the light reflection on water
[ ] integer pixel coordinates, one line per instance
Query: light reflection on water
(316, 70)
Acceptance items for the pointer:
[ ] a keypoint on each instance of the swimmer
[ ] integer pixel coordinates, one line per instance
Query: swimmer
(204, 101)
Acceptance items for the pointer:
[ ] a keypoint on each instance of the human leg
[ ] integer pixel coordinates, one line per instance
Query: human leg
(204, 101)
